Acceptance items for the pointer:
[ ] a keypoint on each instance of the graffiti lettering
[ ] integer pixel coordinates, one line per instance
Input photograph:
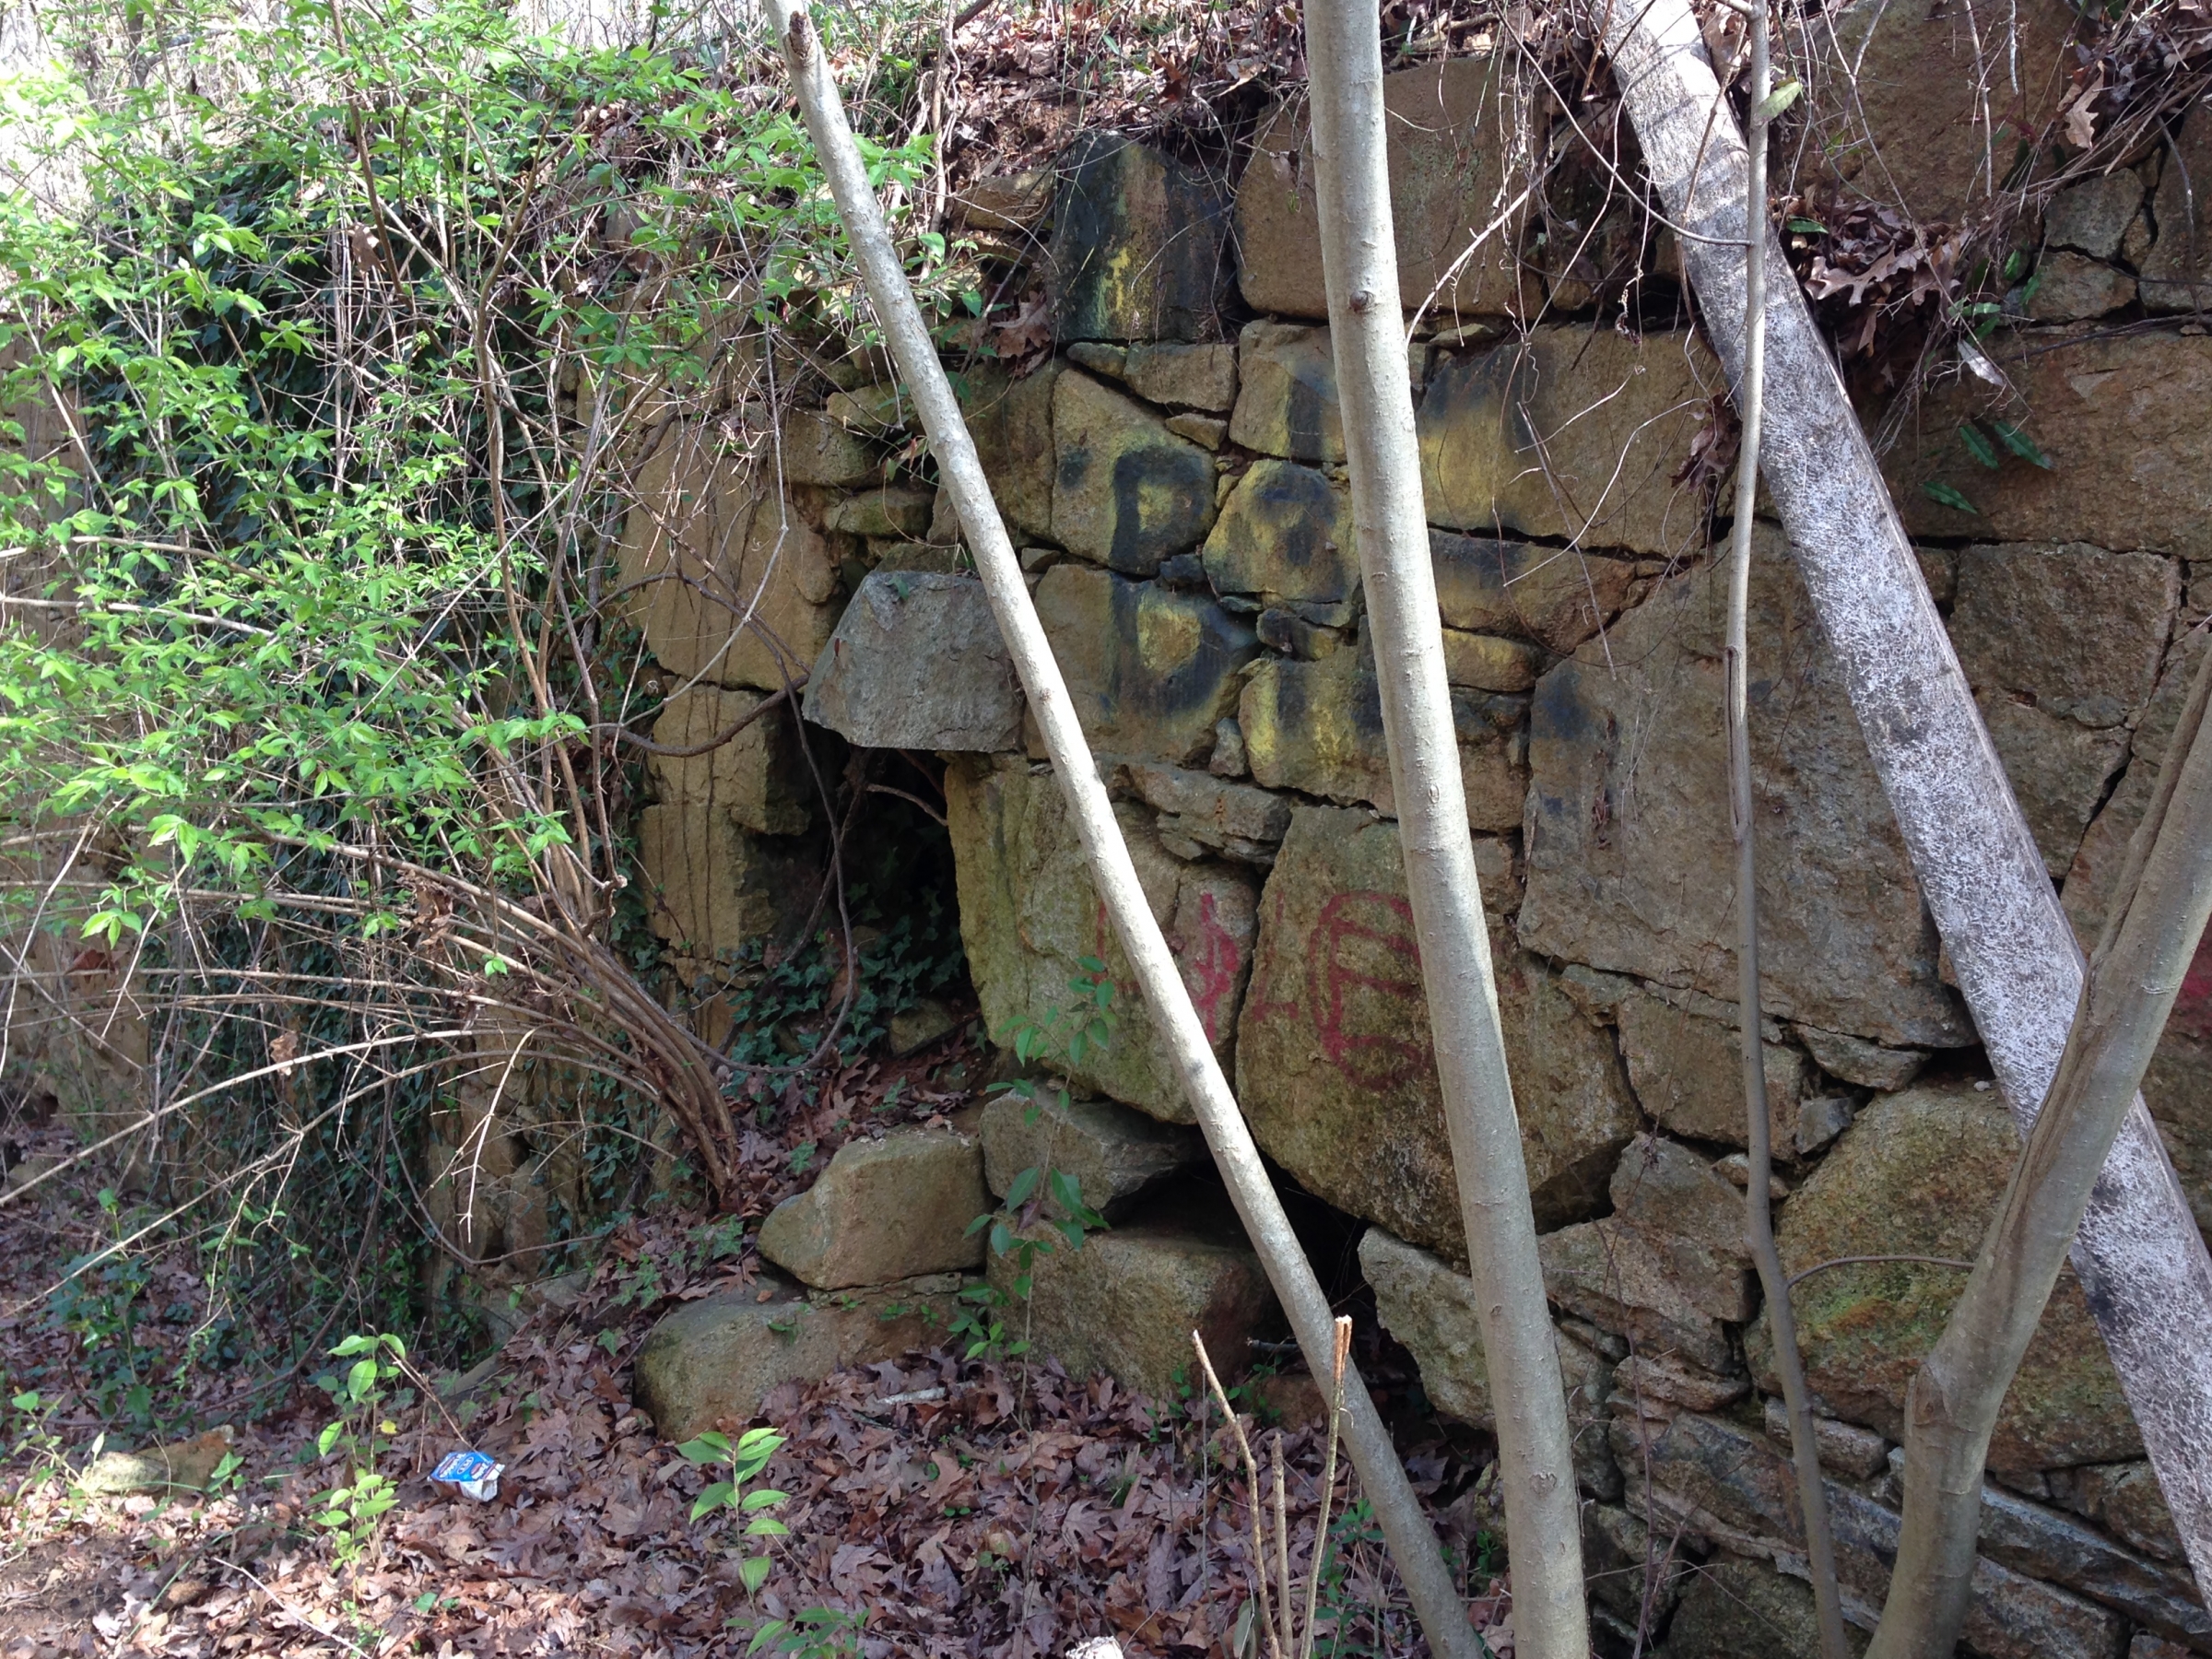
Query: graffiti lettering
(1365, 978)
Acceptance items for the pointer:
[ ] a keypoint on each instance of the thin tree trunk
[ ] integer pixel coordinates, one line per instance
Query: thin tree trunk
(2141, 1260)
(1359, 266)
(1758, 1204)
(2156, 921)
(1412, 1542)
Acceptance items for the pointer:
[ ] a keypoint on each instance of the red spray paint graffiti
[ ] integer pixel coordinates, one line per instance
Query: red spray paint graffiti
(1364, 972)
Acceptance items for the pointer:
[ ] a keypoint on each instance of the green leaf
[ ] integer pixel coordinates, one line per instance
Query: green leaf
(1784, 94)
(763, 1499)
(753, 1572)
(1799, 225)
(2019, 444)
(766, 1526)
(1021, 1186)
(1946, 495)
(713, 1498)
(1977, 445)
(328, 1438)
(710, 1447)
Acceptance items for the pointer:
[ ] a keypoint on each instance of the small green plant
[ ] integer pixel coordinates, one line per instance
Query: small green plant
(745, 1459)
(353, 1510)
(101, 1301)
(1040, 1200)
(813, 1633)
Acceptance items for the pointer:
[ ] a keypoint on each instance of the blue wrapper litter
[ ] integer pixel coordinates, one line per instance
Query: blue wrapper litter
(475, 1473)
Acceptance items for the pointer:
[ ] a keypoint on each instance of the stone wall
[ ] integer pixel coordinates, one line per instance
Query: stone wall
(1173, 476)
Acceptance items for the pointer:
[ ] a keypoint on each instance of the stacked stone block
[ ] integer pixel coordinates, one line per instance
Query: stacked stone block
(1175, 477)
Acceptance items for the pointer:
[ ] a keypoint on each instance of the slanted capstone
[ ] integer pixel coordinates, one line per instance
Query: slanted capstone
(917, 663)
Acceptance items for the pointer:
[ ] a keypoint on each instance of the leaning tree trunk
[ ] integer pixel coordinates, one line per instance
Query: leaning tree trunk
(1412, 1541)
(1359, 268)
(2150, 937)
(2141, 1260)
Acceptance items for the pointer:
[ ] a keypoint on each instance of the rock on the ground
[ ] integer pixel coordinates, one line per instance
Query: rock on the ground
(1139, 244)
(1317, 727)
(712, 1360)
(716, 886)
(756, 778)
(1627, 803)
(894, 1208)
(188, 1465)
(1430, 1308)
(1126, 492)
(1449, 179)
(1334, 1066)
(1569, 433)
(1030, 916)
(1112, 1152)
(1286, 393)
(1285, 533)
(2120, 418)
(1552, 595)
(1919, 1174)
(1127, 1301)
(917, 663)
(1688, 1071)
(708, 543)
(1149, 670)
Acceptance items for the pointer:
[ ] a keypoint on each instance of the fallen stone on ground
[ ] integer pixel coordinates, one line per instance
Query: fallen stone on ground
(894, 1208)
(1127, 1300)
(712, 1361)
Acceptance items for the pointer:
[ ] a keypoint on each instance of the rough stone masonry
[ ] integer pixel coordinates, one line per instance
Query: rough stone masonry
(1174, 475)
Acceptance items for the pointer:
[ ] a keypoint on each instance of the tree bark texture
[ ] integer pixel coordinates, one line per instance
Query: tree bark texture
(2140, 1258)
(1412, 1542)
(1519, 1348)
(1758, 1205)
